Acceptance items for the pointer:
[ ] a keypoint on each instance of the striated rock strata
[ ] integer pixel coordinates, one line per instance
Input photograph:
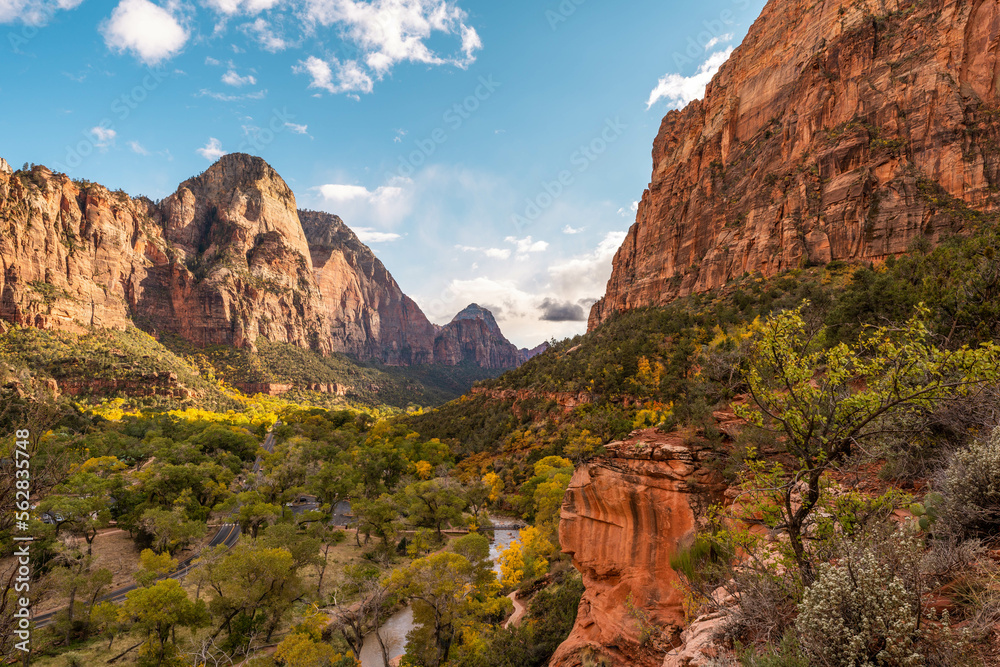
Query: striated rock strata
(227, 259)
(843, 129)
(623, 516)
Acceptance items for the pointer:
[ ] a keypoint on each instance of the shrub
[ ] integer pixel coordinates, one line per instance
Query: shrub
(971, 489)
(861, 613)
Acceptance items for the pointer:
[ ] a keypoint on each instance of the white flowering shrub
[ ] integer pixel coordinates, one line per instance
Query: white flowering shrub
(860, 613)
(971, 489)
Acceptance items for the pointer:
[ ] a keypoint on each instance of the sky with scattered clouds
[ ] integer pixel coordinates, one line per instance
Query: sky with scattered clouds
(487, 152)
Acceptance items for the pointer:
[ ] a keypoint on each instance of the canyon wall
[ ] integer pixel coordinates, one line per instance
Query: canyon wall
(624, 515)
(225, 260)
(838, 130)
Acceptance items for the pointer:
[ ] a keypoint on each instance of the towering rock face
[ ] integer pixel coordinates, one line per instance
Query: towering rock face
(241, 264)
(75, 256)
(227, 259)
(367, 314)
(624, 515)
(473, 335)
(839, 130)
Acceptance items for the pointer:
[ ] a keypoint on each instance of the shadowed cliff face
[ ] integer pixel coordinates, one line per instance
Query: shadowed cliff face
(624, 515)
(227, 259)
(838, 130)
(473, 335)
(367, 313)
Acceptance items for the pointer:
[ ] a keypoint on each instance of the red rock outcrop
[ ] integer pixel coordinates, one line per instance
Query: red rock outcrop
(227, 259)
(624, 515)
(841, 129)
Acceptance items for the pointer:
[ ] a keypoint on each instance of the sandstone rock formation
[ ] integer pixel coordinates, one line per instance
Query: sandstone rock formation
(473, 335)
(839, 130)
(227, 259)
(4, 167)
(241, 266)
(623, 516)
(367, 314)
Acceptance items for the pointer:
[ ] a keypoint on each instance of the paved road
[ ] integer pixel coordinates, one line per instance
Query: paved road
(228, 534)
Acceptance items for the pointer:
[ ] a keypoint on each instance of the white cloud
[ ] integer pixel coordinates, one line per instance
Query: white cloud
(212, 61)
(231, 78)
(212, 151)
(368, 235)
(267, 37)
(633, 207)
(493, 253)
(223, 97)
(104, 136)
(149, 31)
(526, 245)
(348, 78)
(137, 148)
(572, 230)
(386, 205)
(231, 7)
(681, 90)
(586, 276)
(33, 12)
(721, 39)
(297, 129)
(388, 32)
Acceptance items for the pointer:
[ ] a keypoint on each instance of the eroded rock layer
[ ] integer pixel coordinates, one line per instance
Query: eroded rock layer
(624, 515)
(843, 129)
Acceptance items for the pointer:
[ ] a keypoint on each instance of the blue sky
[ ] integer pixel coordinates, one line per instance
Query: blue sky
(487, 151)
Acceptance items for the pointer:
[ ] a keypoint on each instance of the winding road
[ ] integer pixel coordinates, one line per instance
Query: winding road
(228, 534)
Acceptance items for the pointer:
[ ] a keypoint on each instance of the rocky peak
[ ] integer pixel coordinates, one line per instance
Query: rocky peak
(476, 312)
(837, 131)
(4, 167)
(473, 335)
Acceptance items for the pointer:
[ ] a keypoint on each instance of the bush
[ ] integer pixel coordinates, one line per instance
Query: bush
(861, 612)
(971, 489)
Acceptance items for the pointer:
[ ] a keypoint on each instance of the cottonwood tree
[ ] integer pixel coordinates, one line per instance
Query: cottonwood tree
(157, 611)
(432, 504)
(825, 401)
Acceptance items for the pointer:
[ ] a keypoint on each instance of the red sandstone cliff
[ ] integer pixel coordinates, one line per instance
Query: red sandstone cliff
(624, 515)
(837, 130)
(367, 313)
(227, 259)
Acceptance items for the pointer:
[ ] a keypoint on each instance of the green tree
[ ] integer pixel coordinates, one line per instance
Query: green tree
(378, 517)
(826, 400)
(439, 587)
(157, 611)
(153, 566)
(255, 512)
(432, 504)
(253, 586)
(170, 530)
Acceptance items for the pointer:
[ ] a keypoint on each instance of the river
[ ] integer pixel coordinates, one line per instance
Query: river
(394, 630)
